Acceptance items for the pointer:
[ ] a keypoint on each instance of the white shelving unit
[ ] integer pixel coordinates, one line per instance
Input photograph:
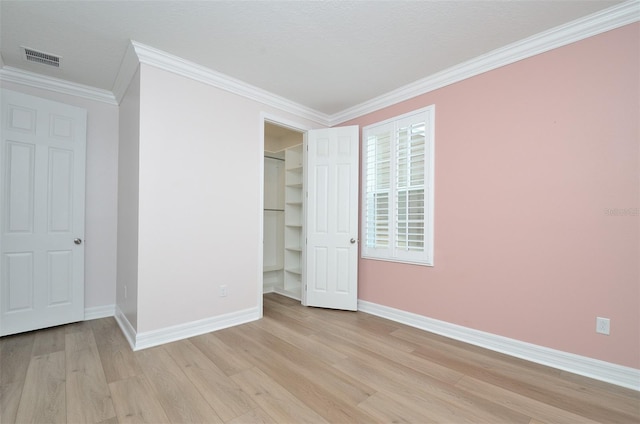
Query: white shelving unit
(293, 222)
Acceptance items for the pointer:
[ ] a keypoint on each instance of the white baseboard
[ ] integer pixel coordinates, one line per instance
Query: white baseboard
(127, 329)
(286, 293)
(148, 339)
(97, 312)
(582, 365)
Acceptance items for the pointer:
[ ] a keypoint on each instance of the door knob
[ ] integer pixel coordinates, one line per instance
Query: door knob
(77, 241)
(352, 241)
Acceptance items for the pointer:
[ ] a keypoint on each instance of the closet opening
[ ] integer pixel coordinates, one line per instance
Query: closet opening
(283, 230)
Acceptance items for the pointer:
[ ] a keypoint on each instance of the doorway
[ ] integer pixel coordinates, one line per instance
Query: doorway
(283, 210)
(310, 253)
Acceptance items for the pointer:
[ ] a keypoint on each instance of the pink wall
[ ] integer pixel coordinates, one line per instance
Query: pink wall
(528, 159)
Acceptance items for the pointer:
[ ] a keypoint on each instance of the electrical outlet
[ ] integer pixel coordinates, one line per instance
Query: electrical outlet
(603, 325)
(223, 291)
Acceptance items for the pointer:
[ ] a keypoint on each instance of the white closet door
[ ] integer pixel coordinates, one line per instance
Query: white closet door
(331, 269)
(42, 183)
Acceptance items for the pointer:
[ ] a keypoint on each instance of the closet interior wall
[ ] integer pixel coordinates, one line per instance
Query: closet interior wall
(283, 211)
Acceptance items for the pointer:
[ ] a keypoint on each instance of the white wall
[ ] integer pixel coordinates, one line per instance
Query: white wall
(101, 194)
(201, 164)
(128, 160)
(177, 211)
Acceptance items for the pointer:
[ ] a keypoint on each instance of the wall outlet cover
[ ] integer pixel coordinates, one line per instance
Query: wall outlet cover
(603, 325)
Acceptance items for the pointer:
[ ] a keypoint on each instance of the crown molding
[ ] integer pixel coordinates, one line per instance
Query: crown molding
(127, 70)
(31, 79)
(597, 23)
(165, 61)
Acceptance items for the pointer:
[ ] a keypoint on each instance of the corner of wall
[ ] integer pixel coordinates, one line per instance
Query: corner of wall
(144, 340)
(127, 70)
(127, 329)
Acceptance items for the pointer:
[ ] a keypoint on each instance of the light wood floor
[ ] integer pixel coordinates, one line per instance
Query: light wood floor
(296, 365)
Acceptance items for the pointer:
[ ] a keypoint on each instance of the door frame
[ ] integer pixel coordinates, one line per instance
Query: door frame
(295, 126)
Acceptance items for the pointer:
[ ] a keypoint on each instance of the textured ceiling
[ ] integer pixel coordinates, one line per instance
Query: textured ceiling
(328, 56)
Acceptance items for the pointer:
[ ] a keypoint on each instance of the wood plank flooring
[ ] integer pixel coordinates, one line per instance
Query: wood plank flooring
(297, 365)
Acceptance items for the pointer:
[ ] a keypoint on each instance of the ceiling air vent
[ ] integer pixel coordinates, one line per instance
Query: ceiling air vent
(31, 55)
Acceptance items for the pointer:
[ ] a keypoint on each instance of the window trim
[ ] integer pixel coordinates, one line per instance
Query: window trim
(391, 253)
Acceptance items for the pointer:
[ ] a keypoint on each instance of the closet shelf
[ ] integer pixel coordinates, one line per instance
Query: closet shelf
(270, 268)
(293, 219)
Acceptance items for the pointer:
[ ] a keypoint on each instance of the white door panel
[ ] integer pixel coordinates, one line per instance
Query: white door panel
(332, 218)
(42, 183)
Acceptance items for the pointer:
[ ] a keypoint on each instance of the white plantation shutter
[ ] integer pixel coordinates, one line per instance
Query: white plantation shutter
(398, 189)
(378, 187)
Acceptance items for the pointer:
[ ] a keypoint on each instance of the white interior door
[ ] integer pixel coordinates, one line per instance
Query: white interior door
(331, 256)
(42, 183)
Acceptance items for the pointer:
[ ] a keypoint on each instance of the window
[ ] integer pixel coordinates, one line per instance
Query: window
(398, 158)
